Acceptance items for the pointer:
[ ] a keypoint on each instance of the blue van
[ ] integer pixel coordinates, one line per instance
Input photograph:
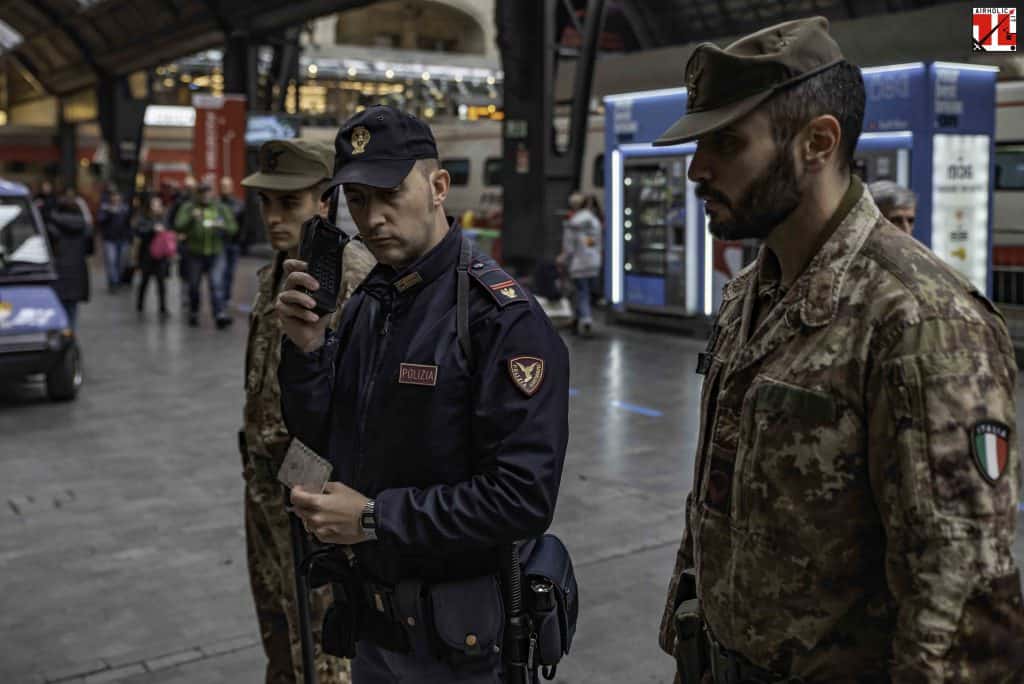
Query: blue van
(35, 337)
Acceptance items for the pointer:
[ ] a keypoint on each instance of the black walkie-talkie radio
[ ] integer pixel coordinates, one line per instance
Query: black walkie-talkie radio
(321, 248)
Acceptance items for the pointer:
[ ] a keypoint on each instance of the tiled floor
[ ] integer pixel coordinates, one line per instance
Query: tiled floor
(121, 546)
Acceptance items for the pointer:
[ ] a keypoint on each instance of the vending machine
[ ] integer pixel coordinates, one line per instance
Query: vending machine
(929, 127)
(656, 238)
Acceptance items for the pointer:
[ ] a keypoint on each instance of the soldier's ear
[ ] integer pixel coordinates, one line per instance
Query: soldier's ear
(819, 143)
(440, 183)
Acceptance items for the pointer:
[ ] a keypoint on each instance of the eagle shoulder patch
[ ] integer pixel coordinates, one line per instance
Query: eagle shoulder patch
(527, 372)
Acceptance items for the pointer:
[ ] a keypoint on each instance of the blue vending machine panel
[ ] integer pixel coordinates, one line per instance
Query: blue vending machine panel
(926, 126)
(647, 292)
(654, 201)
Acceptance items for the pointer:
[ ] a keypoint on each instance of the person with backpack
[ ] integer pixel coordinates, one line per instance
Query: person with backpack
(154, 247)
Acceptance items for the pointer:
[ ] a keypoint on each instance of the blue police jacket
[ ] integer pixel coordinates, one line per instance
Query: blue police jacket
(459, 459)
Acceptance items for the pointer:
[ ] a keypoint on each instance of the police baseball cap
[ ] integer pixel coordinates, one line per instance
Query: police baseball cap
(723, 85)
(379, 146)
(287, 165)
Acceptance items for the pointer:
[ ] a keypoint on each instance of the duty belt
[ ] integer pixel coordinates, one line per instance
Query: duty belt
(728, 667)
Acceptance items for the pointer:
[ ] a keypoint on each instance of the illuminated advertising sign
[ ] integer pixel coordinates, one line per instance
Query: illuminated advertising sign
(960, 199)
(219, 139)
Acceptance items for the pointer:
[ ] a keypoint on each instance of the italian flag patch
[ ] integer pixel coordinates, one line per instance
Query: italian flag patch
(990, 443)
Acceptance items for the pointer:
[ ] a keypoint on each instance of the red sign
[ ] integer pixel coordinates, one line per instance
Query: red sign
(995, 29)
(219, 140)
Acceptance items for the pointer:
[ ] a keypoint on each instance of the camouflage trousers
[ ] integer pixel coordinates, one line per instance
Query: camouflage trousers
(272, 576)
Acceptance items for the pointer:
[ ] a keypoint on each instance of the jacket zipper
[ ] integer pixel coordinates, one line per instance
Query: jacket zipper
(375, 364)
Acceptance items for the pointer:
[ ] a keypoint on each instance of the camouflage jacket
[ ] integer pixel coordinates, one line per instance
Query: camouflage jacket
(266, 437)
(857, 472)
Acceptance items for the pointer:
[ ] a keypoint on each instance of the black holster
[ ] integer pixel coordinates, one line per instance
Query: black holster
(691, 647)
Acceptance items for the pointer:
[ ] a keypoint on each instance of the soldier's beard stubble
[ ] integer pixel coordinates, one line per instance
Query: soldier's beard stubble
(769, 200)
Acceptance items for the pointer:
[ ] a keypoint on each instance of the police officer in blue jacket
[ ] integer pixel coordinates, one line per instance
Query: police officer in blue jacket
(442, 455)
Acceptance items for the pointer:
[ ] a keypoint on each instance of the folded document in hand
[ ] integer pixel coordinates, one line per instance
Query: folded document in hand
(302, 466)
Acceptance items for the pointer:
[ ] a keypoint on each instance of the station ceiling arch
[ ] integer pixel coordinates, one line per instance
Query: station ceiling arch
(664, 23)
(64, 46)
(67, 45)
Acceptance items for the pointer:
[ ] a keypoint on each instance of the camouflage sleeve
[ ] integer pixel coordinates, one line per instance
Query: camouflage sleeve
(356, 264)
(684, 560)
(944, 464)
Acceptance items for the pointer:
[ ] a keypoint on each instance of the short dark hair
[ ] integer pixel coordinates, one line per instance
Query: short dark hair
(838, 91)
(427, 166)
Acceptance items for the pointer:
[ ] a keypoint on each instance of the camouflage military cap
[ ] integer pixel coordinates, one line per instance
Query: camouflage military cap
(724, 84)
(291, 165)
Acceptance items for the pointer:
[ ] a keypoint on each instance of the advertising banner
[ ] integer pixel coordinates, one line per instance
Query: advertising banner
(960, 199)
(219, 140)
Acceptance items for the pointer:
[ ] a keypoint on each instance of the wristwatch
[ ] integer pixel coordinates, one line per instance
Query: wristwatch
(368, 520)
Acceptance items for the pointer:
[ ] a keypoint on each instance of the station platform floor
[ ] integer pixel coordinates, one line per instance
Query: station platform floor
(122, 555)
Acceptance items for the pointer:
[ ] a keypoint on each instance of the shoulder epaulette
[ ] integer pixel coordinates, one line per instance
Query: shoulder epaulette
(498, 283)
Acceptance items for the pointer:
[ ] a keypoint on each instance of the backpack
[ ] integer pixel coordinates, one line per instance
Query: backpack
(164, 245)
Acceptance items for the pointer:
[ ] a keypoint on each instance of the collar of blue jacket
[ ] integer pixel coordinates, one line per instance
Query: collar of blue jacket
(428, 267)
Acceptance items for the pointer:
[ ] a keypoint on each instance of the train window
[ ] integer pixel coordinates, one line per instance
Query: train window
(1010, 167)
(492, 171)
(598, 180)
(458, 169)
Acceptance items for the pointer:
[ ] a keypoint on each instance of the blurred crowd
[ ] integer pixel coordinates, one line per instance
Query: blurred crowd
(193, 230)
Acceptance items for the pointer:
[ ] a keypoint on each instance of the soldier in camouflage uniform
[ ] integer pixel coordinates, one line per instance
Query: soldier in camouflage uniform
(857, 473)
(291, 176)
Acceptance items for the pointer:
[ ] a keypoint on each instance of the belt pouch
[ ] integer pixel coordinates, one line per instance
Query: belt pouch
(469, 620)
(546, 622)
(547, 564)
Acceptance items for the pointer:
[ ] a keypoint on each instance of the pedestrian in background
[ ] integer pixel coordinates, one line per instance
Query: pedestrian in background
(204, 224)
(593, 203)
(150, 255)
(72, 240)
(581, 257)
(45, 198)
(114, 222)
(897, 204)
(186, 193)
(233, 243)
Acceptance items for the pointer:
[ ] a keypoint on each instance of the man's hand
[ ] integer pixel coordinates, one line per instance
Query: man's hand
(295, 308)
(332, 517)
